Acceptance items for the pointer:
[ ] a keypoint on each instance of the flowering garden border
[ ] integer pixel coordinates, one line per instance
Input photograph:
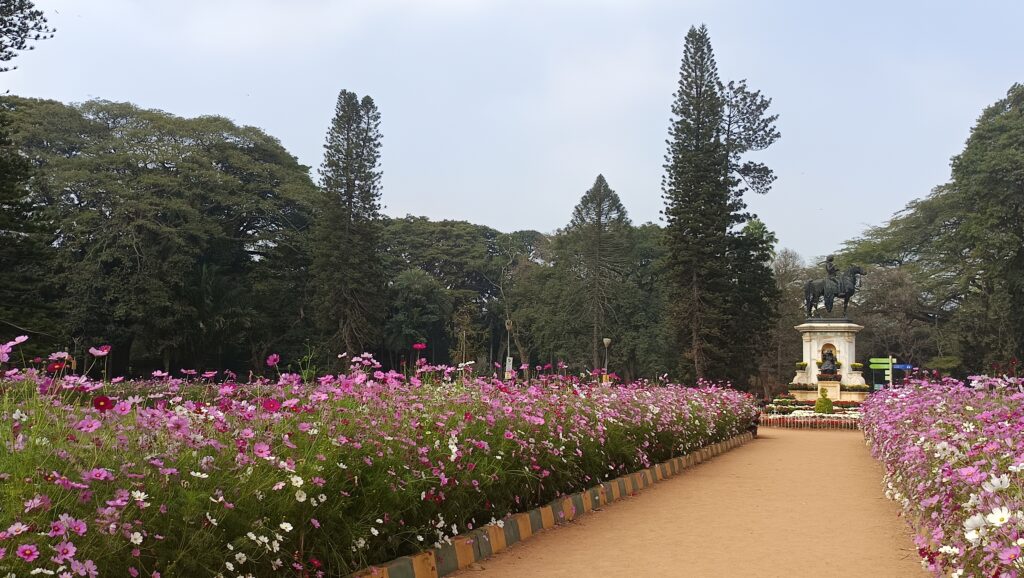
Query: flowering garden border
(808, 422)
(471, 547)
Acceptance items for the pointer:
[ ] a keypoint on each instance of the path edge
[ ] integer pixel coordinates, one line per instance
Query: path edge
(482, 543)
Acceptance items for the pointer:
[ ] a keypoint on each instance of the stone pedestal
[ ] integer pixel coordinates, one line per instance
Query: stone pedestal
(839, 335)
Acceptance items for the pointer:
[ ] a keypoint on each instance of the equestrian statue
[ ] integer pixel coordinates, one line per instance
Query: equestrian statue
(835, 284)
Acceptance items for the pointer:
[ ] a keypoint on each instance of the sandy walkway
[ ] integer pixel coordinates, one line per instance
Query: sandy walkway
(792, 503)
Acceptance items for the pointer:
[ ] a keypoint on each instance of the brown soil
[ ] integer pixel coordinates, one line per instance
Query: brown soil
(792, 503)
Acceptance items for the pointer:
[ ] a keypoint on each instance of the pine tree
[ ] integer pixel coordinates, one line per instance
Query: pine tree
(710, 258)
(347, 262)
(20, 24)
(596, 249)
(697, 206)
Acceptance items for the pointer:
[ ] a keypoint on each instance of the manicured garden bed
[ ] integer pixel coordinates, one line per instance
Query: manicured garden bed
(953, 456)
(197, 476)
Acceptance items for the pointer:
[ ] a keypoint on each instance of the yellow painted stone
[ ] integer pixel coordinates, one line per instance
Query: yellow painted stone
(424, 565)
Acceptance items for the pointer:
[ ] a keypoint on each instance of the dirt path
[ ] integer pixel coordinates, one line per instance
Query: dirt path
(792, 503)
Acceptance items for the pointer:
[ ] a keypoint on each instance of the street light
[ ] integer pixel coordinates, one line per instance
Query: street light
(607, 341)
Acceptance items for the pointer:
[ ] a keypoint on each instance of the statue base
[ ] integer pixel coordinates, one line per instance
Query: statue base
(839, 336)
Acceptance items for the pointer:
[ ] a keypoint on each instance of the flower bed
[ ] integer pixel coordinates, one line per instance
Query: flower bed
(953, 457)
(284, 477)
(804, 419)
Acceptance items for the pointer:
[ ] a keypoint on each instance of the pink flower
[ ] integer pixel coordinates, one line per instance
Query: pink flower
(273, 359)
(419, 346)
(100, 351)
(88, 425)
(28, 552)
(261, 450)
(17, 528)
(98, 474)
(65, 551)
(122, 408)
(271, 404)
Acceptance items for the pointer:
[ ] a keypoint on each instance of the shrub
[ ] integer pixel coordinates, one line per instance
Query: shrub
(823, 404)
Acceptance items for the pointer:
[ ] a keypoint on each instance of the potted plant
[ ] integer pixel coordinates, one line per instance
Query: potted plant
(801, 365)
(856, 366)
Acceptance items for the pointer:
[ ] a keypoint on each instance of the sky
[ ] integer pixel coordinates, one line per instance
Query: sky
(503, 112)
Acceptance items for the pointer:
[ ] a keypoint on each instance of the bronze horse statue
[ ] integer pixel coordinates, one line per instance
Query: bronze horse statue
(818, 288)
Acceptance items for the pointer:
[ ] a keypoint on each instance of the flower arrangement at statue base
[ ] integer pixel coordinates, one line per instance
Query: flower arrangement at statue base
(809, 419)
(200, 476)
(953, 454)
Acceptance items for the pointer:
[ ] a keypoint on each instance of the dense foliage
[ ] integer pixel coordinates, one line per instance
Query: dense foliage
(204, 474)
(947, 288)
(196, 243)
(953, 456)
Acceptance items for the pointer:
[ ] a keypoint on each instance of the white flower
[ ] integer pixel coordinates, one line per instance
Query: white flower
(975, 522)
(285, 526)
(996, 483)
(229, 566)
(297, 481)
(972, 536)
(374, 531)
(300, 495)
(199, 475)
(999, 516)
(139, 496)
(957, 573)
(19, 415)
(240, 558)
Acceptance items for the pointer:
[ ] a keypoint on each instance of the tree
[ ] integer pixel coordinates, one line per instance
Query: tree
(420, 309)
(595, 249)
(20, 24)
(712, 128)
(347, 264)
(163, 230)
(23, 253)
(783, 348)
(952, 263)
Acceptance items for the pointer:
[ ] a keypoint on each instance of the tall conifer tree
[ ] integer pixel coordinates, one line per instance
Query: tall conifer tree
(711, 260)
(347, 261)
(596, 248)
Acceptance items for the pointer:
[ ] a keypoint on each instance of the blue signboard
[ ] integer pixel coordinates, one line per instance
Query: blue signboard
(902, 366)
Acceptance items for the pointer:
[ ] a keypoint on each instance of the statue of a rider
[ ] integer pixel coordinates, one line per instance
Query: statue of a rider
(831, 278)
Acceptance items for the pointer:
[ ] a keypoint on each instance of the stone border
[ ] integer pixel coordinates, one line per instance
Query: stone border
(471, 547)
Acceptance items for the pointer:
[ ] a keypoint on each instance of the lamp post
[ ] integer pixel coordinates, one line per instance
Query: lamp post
(607, 341)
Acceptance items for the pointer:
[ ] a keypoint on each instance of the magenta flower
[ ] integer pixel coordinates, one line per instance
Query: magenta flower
(271, 404)
(98, 474)
(28, 552)
(88, 425)
(419, 346)
(65, 551)
(273, 359)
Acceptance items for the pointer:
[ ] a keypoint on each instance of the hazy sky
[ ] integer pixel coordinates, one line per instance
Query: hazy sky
(503, 112)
